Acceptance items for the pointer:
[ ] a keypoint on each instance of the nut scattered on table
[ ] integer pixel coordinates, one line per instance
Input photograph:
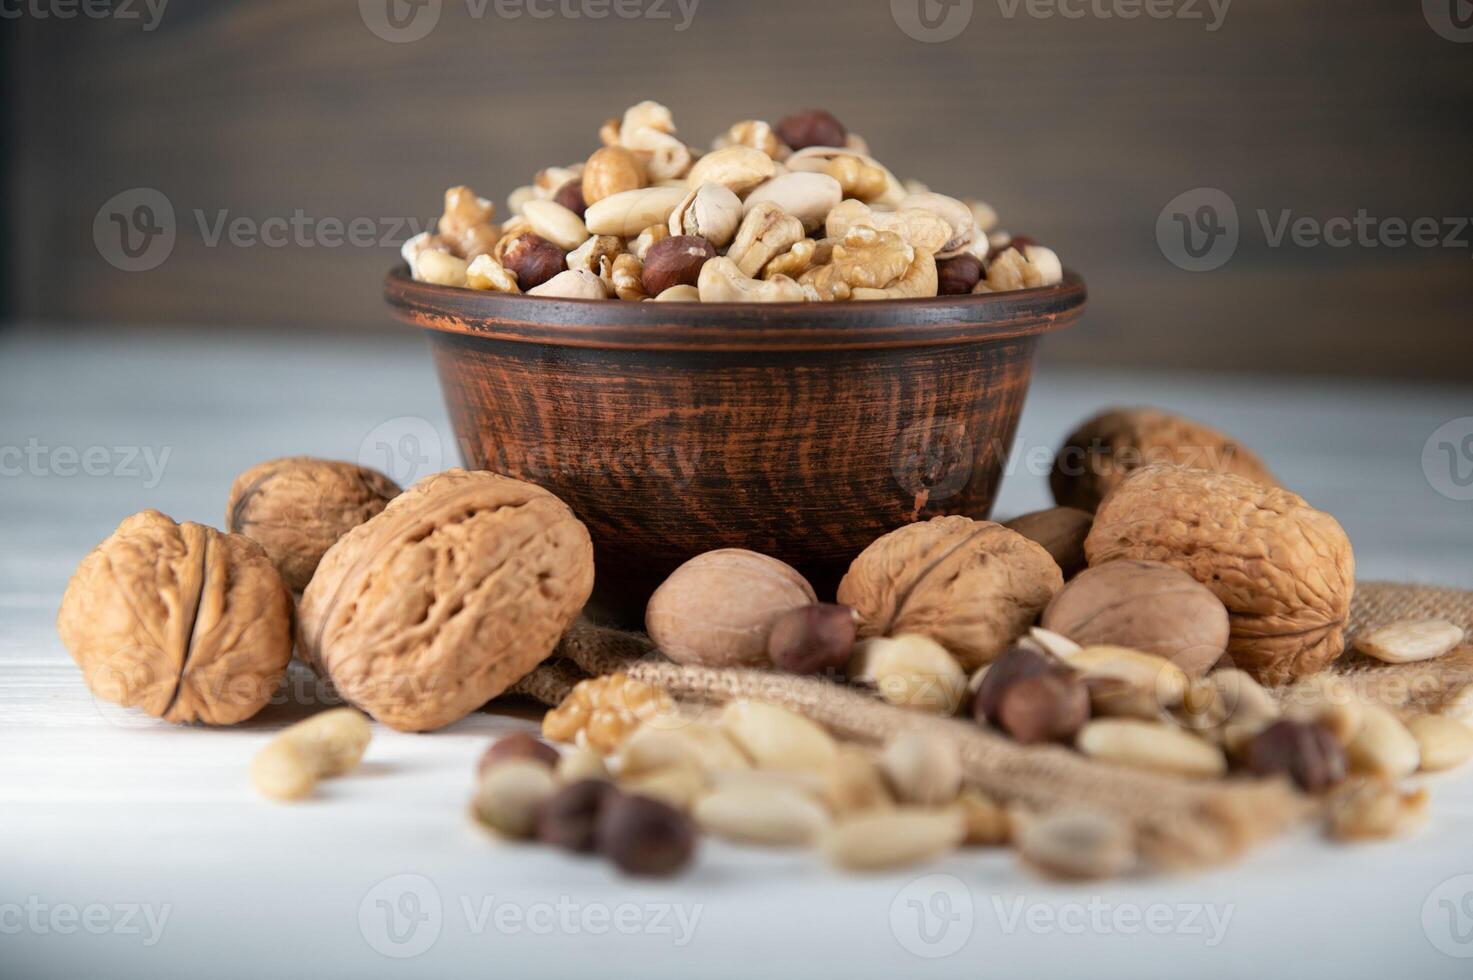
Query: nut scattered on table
(1305, 752)
(178, 620)
(297, 508)
(328, 744)
(911, 671)
(1409, 641)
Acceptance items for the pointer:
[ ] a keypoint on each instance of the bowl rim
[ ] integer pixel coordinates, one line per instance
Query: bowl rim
(609, 324)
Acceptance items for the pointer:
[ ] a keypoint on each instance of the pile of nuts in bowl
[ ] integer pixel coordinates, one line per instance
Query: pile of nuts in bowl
(792, 213)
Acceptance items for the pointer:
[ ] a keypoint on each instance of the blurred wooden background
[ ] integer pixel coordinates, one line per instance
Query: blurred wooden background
(1078, 130)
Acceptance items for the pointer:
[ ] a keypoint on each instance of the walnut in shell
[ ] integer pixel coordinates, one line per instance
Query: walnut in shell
(1112, 445)
(458, 589)
(1284, 570)
(972, 586)
(179, 620)
(297, 508)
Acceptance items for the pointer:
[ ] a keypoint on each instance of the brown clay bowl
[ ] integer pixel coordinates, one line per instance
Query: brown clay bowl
(803, 431)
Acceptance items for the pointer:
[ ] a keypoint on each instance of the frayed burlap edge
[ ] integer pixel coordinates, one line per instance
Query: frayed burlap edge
(1179, 823)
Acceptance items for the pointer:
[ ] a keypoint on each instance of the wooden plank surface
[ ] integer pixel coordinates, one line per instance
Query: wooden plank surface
(1080, 131)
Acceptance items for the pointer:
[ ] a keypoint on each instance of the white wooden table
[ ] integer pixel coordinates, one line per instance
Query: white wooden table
(132, 849)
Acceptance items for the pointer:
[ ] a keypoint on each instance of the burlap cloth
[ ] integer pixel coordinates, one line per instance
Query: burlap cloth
(1178, 822)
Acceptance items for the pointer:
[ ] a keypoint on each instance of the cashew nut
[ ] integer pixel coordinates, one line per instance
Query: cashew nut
(328, 744)
(737, 168)
(572, 284)
(488, 274)
(722, 281)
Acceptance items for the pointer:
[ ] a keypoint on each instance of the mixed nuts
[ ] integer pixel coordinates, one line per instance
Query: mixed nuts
(792, 213)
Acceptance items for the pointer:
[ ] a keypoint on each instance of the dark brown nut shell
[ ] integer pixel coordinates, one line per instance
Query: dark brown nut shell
(1285, 571)
(569, 819)
(534, 259)
(812, 127)
(645, 837)
(518, 745)
(1061, 531)
(461, 587)
(179, 620)
(297, 508)
(1143, 605)
(1306, 753)
(812, 639)
(675, 261)
(1109, 447)
(972, 586)
(570, 196)
(1014, 665)
(958, 276)
(1049, 707)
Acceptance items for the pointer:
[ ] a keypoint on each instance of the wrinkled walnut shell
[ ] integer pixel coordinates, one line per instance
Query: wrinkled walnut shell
(179, 620)
(1284, 570)
(297, 508)
(455, 592)
(1143, 605)
(1109, 447)
(972, 586)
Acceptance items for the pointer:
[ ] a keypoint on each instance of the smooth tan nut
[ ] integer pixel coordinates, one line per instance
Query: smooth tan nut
(297, 508)
(857, 179)
(776, 818)
(1051, 643)
(423, 242)
(1012, 269)
(709, 211)
(1443, 743)
(679, 294)
(1410, 640)
(984, 215)
(922, 769)
(819, 159)
(1061, 531)
(893, 838)
(486, 273)
(972, 586)
(1076, 845)
(1383, 746)
(572, 284)
(855, 784)
(737, 168)
(509, 796)
(578, 764)
(722, 281)
(677, 786)
(1145, 745)
(1376, 810)
(1146, 671)
(717, 609)
(806, 196)
(811, 783)
(518, 198)
(328, 744)
(1325, 700)
(1144, 605)
(1241, 708)
(612, 170)
(956, 214)
(1045, 264)
(910, 671)
(1284, 570)
(178, 620)
(647, 114)
(919, 228)
(629, 213)
(988, 822)
(1106, 448)
(440, 268)
(696, 744)
(766, 231)
(775, 738)
(556, 224)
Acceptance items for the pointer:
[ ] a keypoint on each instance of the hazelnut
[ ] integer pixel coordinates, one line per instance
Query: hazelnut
(612, 170)
(1061, 531)
(813, 639)
(1307, 753)
(642, 836)
(717, 609)
(1049, 707)
(1016, 664)
(812, 127)
(519, 745)
(570, 196)
(1143, 605)
(510, 795)
(569, 818)
(534, 259)
(958, 276)
(675, 261)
